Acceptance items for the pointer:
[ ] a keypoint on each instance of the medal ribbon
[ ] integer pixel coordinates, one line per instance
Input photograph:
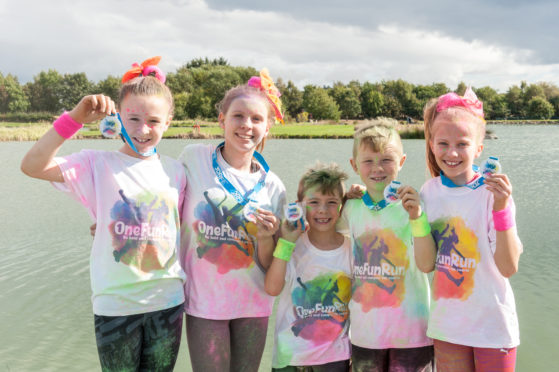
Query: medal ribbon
(242, 200)
(371, 204)
(472, 185)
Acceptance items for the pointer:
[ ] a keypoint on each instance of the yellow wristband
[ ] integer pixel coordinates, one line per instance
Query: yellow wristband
(284, 249)
(420, 227)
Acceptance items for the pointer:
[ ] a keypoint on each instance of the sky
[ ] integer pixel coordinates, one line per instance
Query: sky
(496, 43)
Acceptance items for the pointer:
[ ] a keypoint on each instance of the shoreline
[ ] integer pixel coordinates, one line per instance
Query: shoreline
(211, 130)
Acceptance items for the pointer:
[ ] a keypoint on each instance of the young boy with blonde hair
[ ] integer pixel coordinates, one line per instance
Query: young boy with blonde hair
(389, 306)
(312, 316)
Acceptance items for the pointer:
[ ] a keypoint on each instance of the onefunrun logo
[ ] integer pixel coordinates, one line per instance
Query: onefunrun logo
(320, 310)
(457, 259)
(143, 232)
(221, 233)
(385, 270)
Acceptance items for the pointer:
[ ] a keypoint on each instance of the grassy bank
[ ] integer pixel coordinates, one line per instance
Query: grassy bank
(31, 132)
(206, 129)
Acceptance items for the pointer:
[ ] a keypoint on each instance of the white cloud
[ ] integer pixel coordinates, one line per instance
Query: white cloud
(105, 37)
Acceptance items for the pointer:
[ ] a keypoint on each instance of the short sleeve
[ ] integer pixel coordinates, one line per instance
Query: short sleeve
(77, 171)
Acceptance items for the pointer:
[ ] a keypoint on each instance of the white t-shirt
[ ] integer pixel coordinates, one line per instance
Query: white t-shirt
(473, 303)
(219, 247)
(134, 265)
(389, 304)
(312, 317)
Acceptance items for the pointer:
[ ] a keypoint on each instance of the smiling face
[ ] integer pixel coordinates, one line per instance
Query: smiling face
(455, 144)
(245, 123)
(146, 118)
(322, 210)
(378, 169)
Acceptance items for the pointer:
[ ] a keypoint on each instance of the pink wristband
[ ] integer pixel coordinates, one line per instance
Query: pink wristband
(66, 126)
(503, 219)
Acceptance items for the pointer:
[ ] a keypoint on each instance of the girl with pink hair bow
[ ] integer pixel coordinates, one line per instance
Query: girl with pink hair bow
(467, 236)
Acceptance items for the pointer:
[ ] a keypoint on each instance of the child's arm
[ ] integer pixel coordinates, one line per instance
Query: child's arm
(38, 162)
(423, 244)
(267, 225)
(275, 276)
(508, 248)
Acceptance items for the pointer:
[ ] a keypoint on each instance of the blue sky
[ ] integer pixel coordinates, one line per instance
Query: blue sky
(497, 43)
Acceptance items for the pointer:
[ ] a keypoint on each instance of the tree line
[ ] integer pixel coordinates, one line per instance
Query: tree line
(201, 83)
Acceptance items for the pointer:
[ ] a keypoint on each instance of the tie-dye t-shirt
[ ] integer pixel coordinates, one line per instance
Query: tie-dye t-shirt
(134, 263)
(312, 319)
(389, 304)
(473, 303)
(218, 243)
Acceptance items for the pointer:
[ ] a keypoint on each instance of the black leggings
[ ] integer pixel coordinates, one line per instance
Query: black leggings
(226, 345)
(141, 342)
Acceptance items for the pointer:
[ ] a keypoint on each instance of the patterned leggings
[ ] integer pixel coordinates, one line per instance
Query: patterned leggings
(141, 342)
(458, 358)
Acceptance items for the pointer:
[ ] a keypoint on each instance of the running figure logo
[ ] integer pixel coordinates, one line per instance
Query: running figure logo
(379, 269)
(457, 259)
(223, 237)
(143, 231)
(320, 306)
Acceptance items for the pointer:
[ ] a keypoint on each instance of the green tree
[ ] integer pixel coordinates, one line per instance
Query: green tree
(402, 93)
(318, 103)
(461, 88)
(515, 102)
(12, 96)
(539, 108)
(45, 91)
(291, 98)
(73, 88)
(372, 100)
(347, 100)
(110, 86)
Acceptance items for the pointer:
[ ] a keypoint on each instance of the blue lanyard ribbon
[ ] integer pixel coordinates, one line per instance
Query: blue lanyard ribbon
(472, 185)
(126, 138)
(241, 199)
(371, 204)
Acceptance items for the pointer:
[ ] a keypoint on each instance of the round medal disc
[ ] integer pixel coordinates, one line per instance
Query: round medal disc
(391, 192)
(110, 126)
(490, 166)
(250, 210)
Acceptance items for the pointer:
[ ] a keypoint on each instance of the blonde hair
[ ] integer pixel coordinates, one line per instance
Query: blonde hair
(327, 178)
(376, 134)
(146, 86)
(246, 91)
(430, 115)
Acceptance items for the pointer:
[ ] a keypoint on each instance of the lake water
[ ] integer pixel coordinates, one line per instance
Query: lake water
(46, 321)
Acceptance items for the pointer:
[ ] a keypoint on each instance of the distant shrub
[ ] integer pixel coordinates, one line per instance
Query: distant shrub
(27, 117)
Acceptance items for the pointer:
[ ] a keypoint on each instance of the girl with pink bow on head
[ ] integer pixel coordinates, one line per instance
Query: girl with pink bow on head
(228, 226)
(467, 235)
(134, 196)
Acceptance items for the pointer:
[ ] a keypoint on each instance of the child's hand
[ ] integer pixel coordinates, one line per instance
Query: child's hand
(267, 224)
(290, 232)
(355, 191)
(93, 108)
(410, 201)
(501, 188)
(93, 229)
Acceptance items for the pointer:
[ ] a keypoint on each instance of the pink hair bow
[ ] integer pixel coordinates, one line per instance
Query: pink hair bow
(265, 83)
(149, 66)
(468, 101)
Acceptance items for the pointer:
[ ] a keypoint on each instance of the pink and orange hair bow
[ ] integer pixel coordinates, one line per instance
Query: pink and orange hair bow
(265, 83)
(469, 101)
(149, 66)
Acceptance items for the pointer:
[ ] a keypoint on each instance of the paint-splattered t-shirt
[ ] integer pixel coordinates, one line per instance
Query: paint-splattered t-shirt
(389, 304)
(473, 304)
(134, 263)
(218, 243)
(312, 320)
